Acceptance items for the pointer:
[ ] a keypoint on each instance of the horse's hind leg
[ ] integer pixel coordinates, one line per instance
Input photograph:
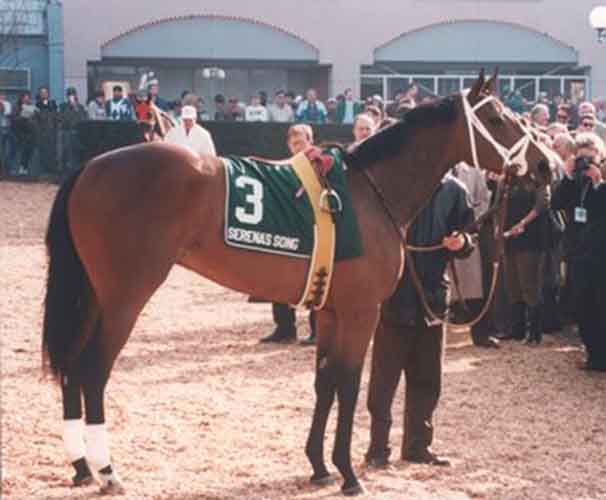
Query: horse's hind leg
(325, 395)
(73, 428)
(95, 367)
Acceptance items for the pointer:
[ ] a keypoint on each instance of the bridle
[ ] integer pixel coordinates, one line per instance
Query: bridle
(514, 163)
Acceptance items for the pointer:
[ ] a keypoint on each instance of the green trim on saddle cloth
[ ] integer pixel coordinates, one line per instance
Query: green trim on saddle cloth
(266, 210)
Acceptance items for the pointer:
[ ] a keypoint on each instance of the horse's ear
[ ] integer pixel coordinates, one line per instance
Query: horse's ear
(491, 85)
(478, 86)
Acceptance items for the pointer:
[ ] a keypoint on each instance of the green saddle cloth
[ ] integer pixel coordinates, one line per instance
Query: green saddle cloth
(266, 209)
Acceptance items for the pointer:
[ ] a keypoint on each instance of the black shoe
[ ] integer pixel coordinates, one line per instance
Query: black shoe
(309, 340)
(280, 336)
(425, 457)
(83, 476)
(487, 342)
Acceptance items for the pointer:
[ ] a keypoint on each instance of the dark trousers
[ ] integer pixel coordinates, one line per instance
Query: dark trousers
(419, 352)
(590, 310)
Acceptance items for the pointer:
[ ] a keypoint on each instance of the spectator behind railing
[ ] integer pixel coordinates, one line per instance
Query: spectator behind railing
(280, 110)
(71, 114)
(587, 112)
(347, 108)
(96, 107)
(311, 110)
(24, 129)
(255, 111)
(118, 108)
(47, 126)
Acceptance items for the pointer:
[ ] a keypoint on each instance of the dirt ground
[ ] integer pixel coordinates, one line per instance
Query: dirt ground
(198, 409)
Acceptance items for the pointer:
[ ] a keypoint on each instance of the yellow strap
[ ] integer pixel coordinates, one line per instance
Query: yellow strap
(323, 256)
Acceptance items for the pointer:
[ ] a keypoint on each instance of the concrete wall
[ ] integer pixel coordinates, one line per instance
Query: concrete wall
(345, 31)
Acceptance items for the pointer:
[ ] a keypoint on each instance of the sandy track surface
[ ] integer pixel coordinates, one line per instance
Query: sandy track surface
(198, 409)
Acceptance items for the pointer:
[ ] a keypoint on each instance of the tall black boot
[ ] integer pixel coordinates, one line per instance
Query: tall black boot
(284, 317)
(535, 325)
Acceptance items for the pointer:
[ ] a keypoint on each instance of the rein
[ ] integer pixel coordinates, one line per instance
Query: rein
(514, 163)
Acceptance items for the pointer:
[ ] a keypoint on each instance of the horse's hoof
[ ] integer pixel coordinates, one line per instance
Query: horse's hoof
(112, 487)
(83, 480)
(325, 480)
(353, 490)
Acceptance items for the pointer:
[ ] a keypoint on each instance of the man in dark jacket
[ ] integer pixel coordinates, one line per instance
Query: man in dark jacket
(582, 194)
(408, 340)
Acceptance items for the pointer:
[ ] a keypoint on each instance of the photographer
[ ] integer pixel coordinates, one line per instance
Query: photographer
(582, 195)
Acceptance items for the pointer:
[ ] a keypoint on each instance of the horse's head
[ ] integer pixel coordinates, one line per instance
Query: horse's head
(496, 139)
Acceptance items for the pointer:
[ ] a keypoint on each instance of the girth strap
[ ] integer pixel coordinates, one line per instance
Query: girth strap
(322, 260)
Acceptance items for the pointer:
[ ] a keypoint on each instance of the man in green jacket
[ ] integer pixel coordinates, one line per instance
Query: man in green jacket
(347, 109)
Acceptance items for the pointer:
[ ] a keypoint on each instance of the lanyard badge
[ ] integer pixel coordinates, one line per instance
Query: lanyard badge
(580, 215)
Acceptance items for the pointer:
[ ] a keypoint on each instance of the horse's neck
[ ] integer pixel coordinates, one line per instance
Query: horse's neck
(409, 179)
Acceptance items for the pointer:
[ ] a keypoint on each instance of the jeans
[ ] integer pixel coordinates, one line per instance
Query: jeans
(7, 148)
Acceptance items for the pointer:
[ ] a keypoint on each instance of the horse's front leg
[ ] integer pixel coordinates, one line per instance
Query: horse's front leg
(354, 332)
(325, 386)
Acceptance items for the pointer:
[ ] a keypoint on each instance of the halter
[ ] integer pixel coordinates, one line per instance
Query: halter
(515, 155)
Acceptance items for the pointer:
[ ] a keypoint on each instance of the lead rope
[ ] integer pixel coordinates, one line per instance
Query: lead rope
(502, 200)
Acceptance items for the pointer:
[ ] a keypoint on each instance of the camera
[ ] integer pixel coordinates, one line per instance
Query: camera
(581, 165)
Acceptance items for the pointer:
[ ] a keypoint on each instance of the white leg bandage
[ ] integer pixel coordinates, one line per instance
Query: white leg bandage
(97, 446)
(73, 439)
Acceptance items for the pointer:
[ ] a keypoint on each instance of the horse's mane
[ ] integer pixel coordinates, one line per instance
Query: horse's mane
(389, 141)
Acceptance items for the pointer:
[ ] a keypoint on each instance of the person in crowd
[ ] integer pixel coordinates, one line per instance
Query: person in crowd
(189, 134)
(235, 110)
(539, 115)
(263, 98)
(587, 123)
(255, 111)
(348, 109)
(175, 110)
(515, 102)
(298, 139)
(475, 273)
(221, 112)
(562, 115)
(587, 109)
(582, 194)
(96, 107)
(7, 139)
(524, 257)
(331, 110)
(375, 113)
(364, 126)
(24, 129)
(554, 129)
(46, 127)
(311, 110)
(44, 103)
(153, 96)
(280, 110)
(71, 114)
(142, 105)
(408, 340)
(565, 147)
(118, 108)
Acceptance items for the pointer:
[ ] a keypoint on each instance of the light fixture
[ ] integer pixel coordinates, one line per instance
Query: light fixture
(213, 73)
(597, 19)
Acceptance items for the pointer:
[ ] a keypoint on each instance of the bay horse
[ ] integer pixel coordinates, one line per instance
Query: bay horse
(122, 222)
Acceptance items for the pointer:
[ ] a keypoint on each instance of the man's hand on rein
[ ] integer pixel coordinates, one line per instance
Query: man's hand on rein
(454, 242)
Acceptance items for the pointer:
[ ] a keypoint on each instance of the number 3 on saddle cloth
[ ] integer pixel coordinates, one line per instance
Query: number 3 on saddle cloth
(282, 208)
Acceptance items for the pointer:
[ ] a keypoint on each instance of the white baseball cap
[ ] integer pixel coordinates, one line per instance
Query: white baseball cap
(189, 113)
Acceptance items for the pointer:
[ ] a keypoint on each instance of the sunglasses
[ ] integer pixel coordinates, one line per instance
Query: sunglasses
(562, 117)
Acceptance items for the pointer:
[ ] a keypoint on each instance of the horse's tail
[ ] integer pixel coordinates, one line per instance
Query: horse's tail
(68, 291)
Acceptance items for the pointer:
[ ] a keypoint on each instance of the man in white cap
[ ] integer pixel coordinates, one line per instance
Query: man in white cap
(191, 135)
